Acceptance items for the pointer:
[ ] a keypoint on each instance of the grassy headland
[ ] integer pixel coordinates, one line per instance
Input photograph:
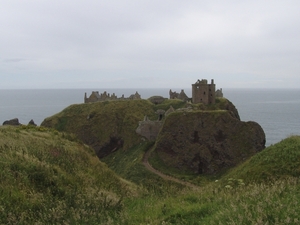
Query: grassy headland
(49, 177)
(52, 176)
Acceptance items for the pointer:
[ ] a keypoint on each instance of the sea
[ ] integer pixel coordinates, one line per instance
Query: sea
(276, 110)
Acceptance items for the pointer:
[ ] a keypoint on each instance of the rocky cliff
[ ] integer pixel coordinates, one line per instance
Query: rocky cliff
(206, 142)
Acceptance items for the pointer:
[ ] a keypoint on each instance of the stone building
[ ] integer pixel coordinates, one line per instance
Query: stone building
(202, 92)
(219, 93)
(96, 97)
(182, 96)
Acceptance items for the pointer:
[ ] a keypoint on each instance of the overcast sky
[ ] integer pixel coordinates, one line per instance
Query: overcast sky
(149, 43)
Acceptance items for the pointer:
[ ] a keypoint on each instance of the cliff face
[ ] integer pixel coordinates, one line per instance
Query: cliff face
(205, 142)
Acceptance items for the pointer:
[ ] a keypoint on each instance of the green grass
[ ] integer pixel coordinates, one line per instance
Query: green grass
(273, 203)
(277, 161)
(95, 123)
(48, 177)
(129, 166)
(255, 199)
(158, 164)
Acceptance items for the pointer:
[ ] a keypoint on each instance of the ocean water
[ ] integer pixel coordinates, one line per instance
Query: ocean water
(276, 110)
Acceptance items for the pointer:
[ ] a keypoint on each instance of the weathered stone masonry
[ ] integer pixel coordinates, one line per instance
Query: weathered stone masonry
(203, 92)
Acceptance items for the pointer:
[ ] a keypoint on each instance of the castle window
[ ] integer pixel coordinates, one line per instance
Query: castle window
(204, 92)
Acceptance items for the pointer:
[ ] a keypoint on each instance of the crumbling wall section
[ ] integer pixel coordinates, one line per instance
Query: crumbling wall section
(149, 129)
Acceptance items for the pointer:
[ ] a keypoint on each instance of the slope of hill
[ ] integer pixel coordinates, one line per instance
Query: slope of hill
(263, 190)
(48, 179)
(275, 162)
(242, 196)
(105, 126)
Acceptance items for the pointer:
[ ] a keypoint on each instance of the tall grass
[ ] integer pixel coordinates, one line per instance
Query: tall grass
(47, 179)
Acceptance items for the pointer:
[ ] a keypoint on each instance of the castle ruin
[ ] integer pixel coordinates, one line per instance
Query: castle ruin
(182, 96)
(96, 97)
(202, 92)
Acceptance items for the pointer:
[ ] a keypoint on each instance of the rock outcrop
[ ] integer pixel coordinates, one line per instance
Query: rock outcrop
(32, 123)
(156, 99)
(206, 142)
(12, 122)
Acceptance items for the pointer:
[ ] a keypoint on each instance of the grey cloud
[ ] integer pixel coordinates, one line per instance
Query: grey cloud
(140, 39)
(16, 60)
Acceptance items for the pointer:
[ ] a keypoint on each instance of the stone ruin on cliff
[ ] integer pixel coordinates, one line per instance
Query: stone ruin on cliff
(202, 92)
(96, 97)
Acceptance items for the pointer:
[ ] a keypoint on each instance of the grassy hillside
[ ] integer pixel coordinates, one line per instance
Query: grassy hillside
(129, 166)
(275, 162)
(96, 123)
(232, 199)
(48, 179)
(110, 125)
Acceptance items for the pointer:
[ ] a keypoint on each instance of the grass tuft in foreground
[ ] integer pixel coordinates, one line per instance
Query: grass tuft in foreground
(47, 179)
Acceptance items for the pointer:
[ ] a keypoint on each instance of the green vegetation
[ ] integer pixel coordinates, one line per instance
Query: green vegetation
(129, 165)
(53, 177)
(229, 200)
(275, 162)
(49, 177)
(184, 175)
(95, 123)
(100, 120)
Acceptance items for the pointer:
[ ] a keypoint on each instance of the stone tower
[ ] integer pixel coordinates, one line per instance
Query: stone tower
(203, 92)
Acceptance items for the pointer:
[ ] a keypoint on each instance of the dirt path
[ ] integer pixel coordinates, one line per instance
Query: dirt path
(164, 176)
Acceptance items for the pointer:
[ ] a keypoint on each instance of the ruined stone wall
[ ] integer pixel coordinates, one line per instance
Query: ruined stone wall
(182, 96)
(212, 93)
(149, 129)
(92, 98)
(96, 97)
(219, 93)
